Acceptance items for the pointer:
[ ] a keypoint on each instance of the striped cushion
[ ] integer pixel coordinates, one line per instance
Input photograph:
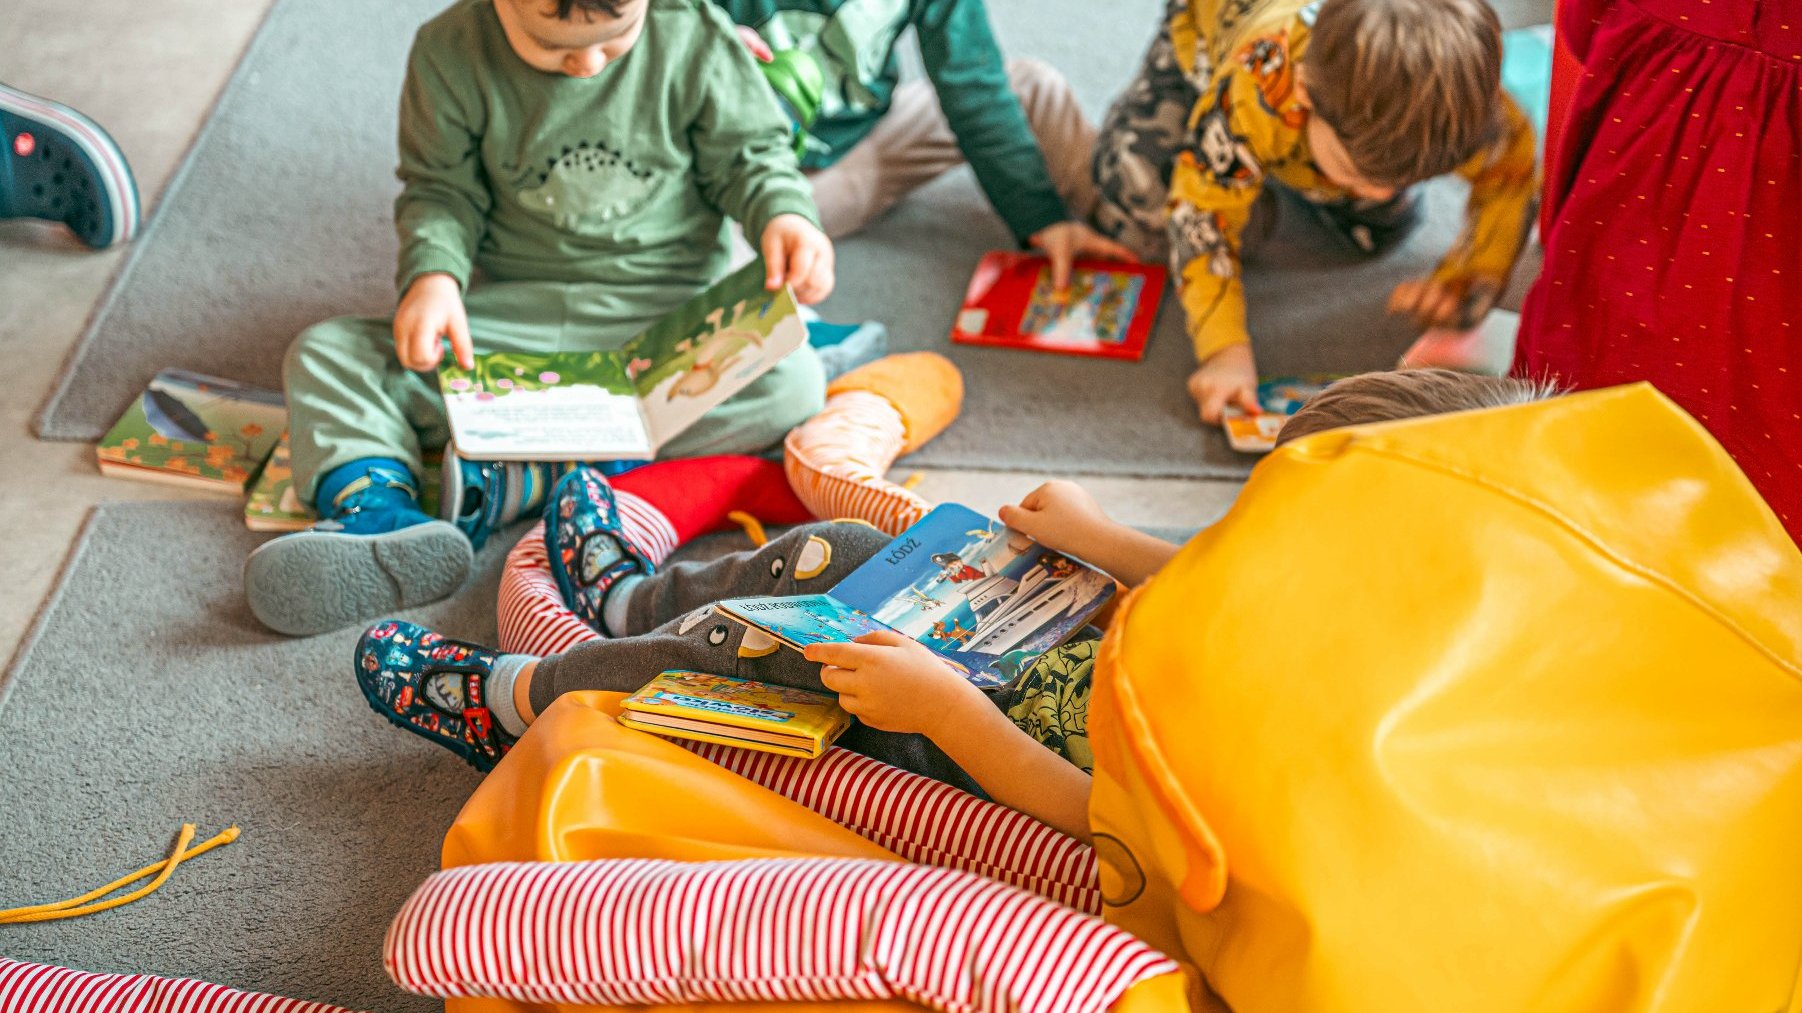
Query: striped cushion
(42, 988)
(925, 821)
(533, 619)
(649, 931)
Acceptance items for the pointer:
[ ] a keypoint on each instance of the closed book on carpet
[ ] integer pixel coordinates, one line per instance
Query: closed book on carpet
(1106, 311)
(193, 430)
(736, 712)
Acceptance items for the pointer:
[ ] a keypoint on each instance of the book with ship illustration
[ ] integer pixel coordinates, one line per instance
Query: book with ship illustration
(1106, 311)
(625, 403)
(986, 598)
(736, 712)
(194, 430)
(273, 505)
(1279, 398)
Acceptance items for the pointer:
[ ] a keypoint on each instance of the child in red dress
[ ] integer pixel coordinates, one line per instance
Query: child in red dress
(1675, 204)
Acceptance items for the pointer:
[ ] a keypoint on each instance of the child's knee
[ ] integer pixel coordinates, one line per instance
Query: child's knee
(328, 346)
(819, 554)
(1034, 80)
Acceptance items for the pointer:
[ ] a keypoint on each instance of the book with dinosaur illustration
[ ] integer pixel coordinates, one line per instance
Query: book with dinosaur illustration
(986, 598)
(194, 430)
(736, 712)
(625, 403)
(1279, 398)
(273, 504)
(1107, 310)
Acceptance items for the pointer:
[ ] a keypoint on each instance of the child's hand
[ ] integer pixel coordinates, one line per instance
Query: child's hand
(1452, 303)
(1057, 515)
(1066, 241)
(431, 307)
(898, 685)
(1228, 377)
(799, 255)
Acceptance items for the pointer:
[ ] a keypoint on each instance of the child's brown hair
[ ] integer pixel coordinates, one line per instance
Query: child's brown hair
(1406, 394)
(1411, 87)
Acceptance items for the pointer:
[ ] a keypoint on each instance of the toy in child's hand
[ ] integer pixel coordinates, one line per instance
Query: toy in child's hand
(1106, 310)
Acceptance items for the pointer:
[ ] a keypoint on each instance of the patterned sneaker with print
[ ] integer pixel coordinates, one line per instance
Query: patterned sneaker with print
(588, 548)
(482, 497)
(434, 687)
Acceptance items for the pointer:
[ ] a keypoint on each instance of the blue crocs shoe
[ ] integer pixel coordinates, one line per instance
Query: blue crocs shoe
(481, 497)
(433, 687)
(59, 166)
(587, 545)
(374, 553)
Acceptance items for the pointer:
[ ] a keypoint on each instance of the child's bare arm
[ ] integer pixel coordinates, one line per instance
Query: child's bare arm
(899, 685)
(1063, 516)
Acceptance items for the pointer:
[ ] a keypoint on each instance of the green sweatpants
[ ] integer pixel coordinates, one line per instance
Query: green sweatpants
(349, 397)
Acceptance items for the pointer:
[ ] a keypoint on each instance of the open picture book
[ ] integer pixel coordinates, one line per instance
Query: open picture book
(736, 712)
(1107, 310)
(1279, 398)
(626, 403)
(985, 598)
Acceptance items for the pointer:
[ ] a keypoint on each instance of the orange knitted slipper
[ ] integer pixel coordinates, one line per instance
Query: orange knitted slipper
(925, 388)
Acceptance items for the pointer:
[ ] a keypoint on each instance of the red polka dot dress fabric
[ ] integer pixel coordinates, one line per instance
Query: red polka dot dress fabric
(1674, 253)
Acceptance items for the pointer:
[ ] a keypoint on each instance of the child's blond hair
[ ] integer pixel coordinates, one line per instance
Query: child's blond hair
(1411, 87)
(1407, 394)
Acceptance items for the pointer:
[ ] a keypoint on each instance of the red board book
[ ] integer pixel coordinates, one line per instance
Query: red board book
(1106, 312)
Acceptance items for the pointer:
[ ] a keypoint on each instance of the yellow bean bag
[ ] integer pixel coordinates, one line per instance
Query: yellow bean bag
(1494, 711)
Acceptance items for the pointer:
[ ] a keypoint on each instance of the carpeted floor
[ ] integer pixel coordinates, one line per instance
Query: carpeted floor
(147, 697)
(281, 218)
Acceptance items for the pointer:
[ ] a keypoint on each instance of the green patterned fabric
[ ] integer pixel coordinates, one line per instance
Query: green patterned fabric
(1050, 701)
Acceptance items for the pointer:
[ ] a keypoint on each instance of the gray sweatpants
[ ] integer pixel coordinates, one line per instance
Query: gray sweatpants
(671, 624)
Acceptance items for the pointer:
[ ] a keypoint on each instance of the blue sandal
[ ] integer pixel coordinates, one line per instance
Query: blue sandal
(433, 687)
(587, 545)
(59, 166)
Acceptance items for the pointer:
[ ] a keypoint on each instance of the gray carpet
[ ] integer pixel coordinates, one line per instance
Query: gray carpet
(147, 697)
(281, 218)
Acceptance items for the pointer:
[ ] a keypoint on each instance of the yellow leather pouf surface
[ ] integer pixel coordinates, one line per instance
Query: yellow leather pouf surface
(1491, 711)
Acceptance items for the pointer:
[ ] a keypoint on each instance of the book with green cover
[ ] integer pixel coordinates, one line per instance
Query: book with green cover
(626, 403)
(194, 430)
(274, 506)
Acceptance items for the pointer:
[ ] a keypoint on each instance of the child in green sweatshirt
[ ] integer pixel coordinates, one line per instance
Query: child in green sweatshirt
(568, 166)
(875, 139)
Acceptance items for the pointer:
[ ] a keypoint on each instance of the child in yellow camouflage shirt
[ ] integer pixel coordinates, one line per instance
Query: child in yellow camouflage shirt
(1344, 102)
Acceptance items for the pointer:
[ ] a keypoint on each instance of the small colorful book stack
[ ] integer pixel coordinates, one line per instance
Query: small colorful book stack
(197, 431)
(736, 712)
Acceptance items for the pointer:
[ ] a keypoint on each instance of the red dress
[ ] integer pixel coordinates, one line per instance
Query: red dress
(1674, 253)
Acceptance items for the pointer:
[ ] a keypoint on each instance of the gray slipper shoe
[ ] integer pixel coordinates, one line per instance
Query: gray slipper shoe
(316, 581)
